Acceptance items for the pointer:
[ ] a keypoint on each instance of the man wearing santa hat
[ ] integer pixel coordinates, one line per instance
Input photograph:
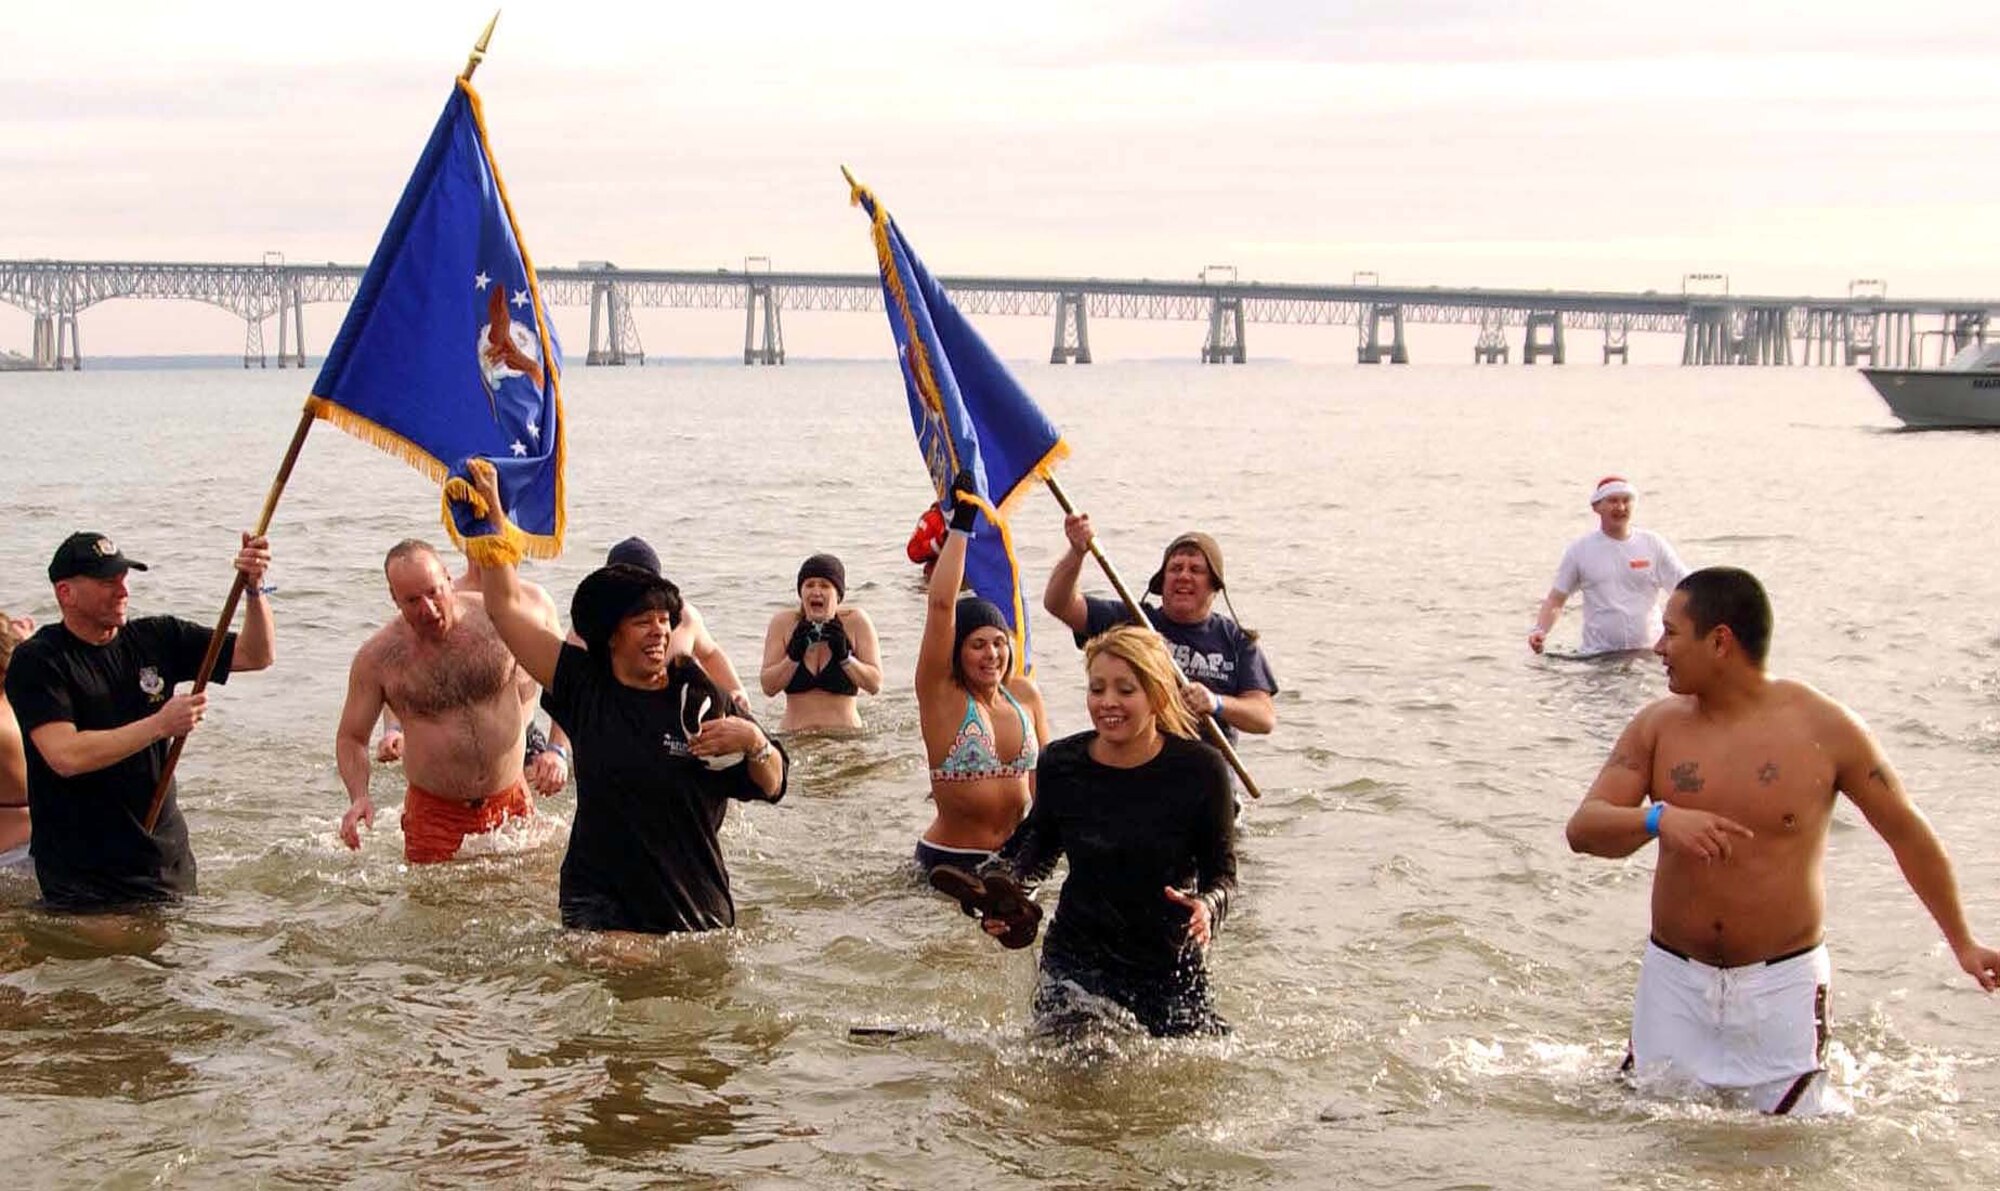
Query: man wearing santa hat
(1622, 573)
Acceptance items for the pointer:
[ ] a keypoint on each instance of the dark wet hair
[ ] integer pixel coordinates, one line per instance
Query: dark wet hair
(1730, 596)
(969, 616)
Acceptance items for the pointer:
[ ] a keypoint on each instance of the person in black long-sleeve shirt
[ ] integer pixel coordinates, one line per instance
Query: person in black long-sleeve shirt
(1145, 814)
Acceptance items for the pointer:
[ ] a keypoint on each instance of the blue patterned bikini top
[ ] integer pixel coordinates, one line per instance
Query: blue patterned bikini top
(971, 757)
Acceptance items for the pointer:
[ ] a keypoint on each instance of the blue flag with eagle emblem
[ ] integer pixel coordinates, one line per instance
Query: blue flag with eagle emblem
(970, 415)
(447, 351)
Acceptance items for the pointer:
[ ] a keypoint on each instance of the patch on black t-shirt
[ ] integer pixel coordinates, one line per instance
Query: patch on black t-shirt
(90, 845)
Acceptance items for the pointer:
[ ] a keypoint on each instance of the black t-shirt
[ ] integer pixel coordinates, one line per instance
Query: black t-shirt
(90, 844)
(643, 853)
(1128, 834)
(1216, 653)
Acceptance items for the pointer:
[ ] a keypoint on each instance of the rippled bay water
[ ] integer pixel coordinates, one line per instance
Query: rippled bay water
(1428, 989)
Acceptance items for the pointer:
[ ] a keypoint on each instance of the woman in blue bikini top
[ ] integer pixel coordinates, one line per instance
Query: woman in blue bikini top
(983, 724)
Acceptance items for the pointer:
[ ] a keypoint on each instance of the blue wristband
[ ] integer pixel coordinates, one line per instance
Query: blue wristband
(1653, 818)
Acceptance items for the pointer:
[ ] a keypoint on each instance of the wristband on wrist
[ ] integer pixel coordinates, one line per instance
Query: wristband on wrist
(1653, 819)
(559, 751)
(767, 749)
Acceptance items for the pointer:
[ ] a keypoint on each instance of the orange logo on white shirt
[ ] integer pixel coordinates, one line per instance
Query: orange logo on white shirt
(1639, 564)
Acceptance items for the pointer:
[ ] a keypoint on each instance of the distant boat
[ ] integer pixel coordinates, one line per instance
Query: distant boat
(13, 361)
(1964, 394)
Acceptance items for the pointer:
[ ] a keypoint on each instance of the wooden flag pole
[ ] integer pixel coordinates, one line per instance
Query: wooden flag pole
(1210, 728)
(306, 420)
(221, 633)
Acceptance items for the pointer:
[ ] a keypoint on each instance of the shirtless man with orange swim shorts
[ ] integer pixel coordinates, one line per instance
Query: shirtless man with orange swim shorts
(464, 705)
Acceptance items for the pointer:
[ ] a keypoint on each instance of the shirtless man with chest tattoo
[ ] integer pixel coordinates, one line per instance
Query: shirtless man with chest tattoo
(464, 706)
(1742, 771)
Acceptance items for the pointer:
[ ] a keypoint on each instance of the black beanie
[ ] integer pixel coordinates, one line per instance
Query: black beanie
(827, 567)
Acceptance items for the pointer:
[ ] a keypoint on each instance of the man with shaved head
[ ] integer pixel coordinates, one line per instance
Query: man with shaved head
(463, 705)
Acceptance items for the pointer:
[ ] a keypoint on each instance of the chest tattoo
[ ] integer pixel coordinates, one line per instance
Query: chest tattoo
(1687, 777)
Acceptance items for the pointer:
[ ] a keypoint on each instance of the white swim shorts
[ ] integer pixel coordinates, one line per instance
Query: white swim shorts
(1758, 1030)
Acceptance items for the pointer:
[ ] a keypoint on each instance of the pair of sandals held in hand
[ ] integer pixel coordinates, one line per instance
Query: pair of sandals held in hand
(996, 896)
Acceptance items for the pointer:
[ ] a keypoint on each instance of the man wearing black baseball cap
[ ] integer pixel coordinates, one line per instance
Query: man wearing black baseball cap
(95, 697)
(1229, 678)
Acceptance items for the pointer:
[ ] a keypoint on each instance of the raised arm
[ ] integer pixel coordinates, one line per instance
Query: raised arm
(941, 605)
(1865, 777)
(256, 645)
(512, 607)
(1062, 596)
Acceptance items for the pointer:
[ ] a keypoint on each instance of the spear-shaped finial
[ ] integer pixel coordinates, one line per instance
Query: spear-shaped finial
(479, 50)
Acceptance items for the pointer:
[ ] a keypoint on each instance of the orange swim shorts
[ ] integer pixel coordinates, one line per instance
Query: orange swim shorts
(434, 827)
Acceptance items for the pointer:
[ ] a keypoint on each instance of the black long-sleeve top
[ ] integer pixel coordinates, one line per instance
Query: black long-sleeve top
(1128, 833)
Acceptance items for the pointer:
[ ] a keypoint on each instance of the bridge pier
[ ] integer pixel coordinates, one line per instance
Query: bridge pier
(769, 347)
(253, 342)
(1617, 331)
(52, 331)
(1532, 345)
(1072, 331)
(1764, 338)
(1225, 332)
(1491, 347)
(1371, 349)
(614, 341)
(1819, 336)
(1706, 339)
(1860, 330)
(292, 317)
(1899, 341)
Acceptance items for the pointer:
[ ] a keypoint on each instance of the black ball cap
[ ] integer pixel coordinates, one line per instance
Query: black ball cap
(92, 556)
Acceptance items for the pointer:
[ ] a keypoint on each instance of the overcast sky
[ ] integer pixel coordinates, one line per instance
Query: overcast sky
(1564, 144)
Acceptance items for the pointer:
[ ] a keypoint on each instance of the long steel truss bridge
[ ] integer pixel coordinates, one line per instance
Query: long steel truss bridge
(1716, 328)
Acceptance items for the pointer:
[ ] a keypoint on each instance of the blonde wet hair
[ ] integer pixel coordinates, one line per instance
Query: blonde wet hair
(1145, 651)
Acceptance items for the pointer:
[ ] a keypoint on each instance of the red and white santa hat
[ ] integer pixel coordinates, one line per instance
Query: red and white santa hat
(1612, 486)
